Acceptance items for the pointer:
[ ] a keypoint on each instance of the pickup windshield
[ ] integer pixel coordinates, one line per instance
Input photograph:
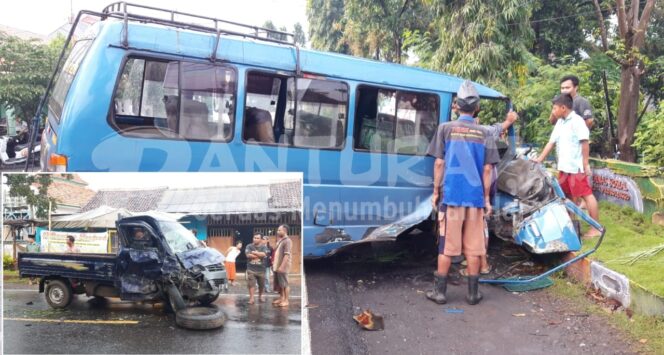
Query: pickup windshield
(178, 237)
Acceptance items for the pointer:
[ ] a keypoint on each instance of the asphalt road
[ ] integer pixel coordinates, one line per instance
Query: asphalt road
(503, 323)
(31, 326)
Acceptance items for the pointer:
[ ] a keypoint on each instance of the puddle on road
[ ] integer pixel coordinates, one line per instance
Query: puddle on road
(104, 309)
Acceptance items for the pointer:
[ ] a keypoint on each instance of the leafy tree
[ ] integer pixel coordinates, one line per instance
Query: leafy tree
(650, 135)
(482, 40)
(624, 49)
(560, 28)
(377, 29)
(326, 25)
(300, 37)
(20, 185)
(26, 67)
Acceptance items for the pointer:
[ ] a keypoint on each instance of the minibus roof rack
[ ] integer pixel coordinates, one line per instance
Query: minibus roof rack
(149, 14)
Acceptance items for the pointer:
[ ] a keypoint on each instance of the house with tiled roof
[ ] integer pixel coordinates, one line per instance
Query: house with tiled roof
(22, 34)
(135, 200)
(71, 193)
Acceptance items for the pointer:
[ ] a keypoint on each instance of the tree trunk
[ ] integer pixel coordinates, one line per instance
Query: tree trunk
(630, 79)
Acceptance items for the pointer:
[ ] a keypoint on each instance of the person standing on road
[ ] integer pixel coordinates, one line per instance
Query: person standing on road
(569, 84)
(71, 248)
(268, 262)
(256, 253)
(570, 137)
(465, 153)
(282, 265)
(231, 255)
(495, 132)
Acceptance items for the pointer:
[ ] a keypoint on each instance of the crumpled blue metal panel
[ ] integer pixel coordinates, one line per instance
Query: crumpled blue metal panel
(392, 230)
(170, 265)
(143, 256)
(136, 284)
(201, 256)
(548, 230)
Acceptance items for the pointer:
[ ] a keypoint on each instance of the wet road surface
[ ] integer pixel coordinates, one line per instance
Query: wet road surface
(503, 323)
(115, 326)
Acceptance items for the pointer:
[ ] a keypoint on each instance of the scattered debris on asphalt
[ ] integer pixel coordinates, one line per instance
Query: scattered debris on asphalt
(370, 321)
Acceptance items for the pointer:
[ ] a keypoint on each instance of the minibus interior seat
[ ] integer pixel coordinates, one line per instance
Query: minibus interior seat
(376, 136)
(258, 125)
(313, 130)
(413, 138)
(171, 107)
(406, 141)
(383, 138)
(194, 120)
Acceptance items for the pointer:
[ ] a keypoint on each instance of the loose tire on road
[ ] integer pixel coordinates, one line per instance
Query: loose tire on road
(175, 300)
(58, 293)
(200, 318)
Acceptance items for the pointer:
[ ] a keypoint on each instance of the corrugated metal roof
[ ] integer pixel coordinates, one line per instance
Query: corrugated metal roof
(216, 200)
(284, 196)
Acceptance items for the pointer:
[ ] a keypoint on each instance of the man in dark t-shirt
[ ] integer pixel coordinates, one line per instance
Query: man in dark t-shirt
(569, 84)
(256, 253)
(464, 152)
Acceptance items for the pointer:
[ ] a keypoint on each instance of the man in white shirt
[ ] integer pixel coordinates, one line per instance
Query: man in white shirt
(570, 137)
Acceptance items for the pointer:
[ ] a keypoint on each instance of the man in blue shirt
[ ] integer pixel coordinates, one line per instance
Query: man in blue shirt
(464, 152)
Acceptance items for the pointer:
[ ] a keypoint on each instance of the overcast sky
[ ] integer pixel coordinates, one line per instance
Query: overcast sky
(45, 16)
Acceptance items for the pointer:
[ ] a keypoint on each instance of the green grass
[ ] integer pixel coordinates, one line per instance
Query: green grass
(637, 328)
(627, 233)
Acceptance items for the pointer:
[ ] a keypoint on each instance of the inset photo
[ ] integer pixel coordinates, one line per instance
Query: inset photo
(189, 263)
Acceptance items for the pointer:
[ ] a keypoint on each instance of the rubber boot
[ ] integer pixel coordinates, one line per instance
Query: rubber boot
(439, 289)
(474, 296)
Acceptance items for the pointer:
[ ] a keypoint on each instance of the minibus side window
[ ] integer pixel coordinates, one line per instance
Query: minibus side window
(321, 113)
(394, 121)
(207, 102)
(145, 102)
(270, 111)
(182, 100)
(66, 76)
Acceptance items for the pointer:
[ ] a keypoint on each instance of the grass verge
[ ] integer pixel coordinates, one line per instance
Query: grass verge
(629, 233)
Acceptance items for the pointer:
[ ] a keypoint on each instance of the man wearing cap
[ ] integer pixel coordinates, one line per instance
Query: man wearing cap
(464, 153)
(570, 137)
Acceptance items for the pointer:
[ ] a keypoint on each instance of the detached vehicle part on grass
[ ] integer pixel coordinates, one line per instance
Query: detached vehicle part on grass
(157, 260)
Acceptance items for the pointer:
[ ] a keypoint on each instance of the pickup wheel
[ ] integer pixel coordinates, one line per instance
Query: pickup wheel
(207, 299)
(200, 318)
(58, 293)
(175, 300)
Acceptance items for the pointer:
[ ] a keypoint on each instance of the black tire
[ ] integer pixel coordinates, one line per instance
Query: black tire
(175, 300)
(200, 318)
(208, 299)
(58, 293)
